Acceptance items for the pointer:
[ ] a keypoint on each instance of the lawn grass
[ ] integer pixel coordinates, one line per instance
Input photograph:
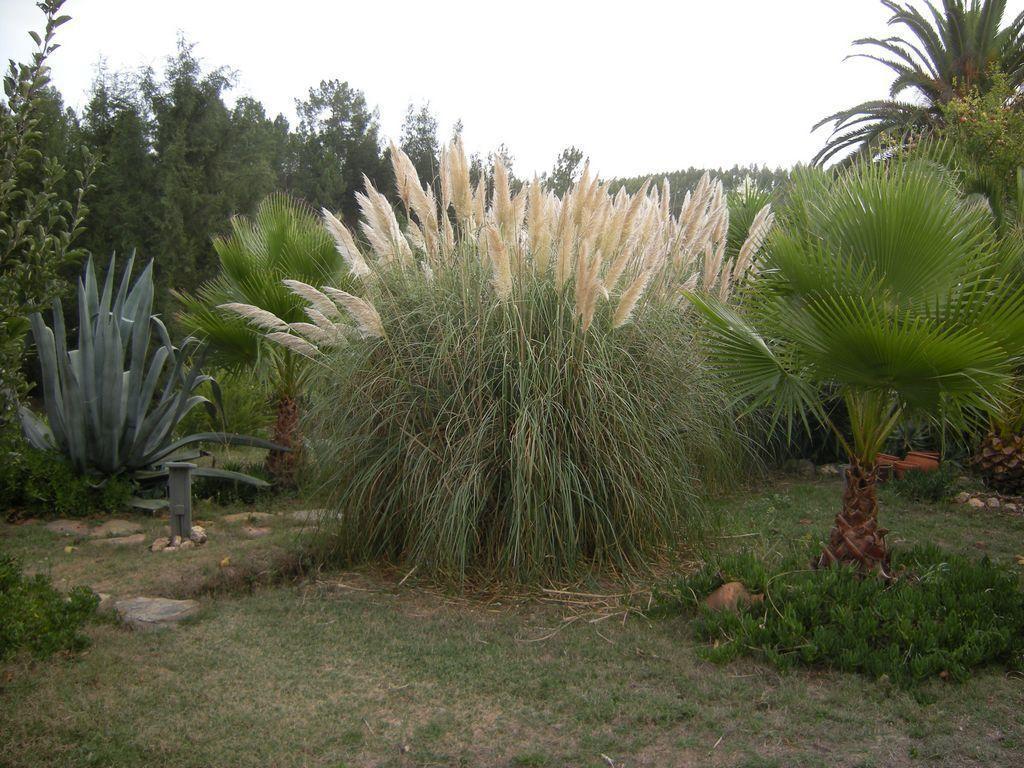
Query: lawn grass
(358, 669)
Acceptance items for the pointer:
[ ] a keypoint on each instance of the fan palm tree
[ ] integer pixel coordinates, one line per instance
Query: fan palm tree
(885, 285)
(284, 241)
(947, 56)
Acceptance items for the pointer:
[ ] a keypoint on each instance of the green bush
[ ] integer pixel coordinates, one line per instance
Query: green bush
(227, 492)
(927, 486)
(943, 616)
(43, 483)
(36, 617)
(245, 406)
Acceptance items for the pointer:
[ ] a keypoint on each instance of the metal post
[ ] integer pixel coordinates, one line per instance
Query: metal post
(179, 491)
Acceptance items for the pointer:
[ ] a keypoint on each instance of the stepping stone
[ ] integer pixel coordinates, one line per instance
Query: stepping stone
(121, 541)
(248, 517)
(68, 527)
(115, 528)
(310, 515)
(148, 613)
(255, 531)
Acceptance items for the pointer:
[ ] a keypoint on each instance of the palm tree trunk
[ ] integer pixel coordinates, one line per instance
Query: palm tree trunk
(283, 465)
(856, 538)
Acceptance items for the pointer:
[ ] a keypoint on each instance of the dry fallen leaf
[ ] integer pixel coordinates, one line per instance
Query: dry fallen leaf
(69, 549)
(225, 562)
(1020, 559)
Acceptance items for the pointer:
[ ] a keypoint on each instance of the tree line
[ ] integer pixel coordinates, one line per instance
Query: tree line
(177, 160)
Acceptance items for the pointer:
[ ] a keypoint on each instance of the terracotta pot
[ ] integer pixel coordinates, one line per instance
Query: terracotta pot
(902, 467)
(926, 460)
(884, 459)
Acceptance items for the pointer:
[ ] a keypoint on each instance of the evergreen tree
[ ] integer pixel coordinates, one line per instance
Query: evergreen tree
(419, 141)
(338, 142)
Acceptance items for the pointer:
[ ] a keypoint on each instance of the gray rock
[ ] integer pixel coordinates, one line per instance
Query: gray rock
(187, 544)
(976, 503)
(197, 535)
(120, 541)
(963, 497)
(147, 613)
(312, 515)
(247, 517)
(106, 602)
(115, 528)
(159, 545)
(76, 528)
(993, 503)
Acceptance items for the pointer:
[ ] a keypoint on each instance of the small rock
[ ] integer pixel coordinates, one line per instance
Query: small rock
(976, 503)
(121, 541)
(198, 534)
(247, 517)
(115, 528)
(69, 549)
(187, 544)
(828, 470)
(963, 497)
(154, 612)
(159, 545)
(255, 531)
(1011, 507)
(68, 527)
(730, 596)
(993, 503)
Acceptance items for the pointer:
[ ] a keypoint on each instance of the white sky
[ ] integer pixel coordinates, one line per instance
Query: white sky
(640, 86)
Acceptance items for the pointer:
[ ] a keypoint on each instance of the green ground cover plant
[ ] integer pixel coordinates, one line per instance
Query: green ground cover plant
(36, 617)
(944, 616)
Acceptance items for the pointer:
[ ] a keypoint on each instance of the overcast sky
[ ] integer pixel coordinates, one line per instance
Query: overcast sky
(640, 86)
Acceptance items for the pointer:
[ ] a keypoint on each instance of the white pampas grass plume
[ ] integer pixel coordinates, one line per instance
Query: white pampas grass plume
(630, 297)
(294, 343)
(345, 244)
(381, 227)
(587, 285)
(362, 312)
(260, 318)
(500, 264)
(318, 335)
(756, 235)
(323, 304)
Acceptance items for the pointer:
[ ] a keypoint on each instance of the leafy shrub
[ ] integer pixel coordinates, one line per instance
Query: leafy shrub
(42, 482)
(227, 492)
(244, 406)
(944, 615)
(36, 617)
(927, 486)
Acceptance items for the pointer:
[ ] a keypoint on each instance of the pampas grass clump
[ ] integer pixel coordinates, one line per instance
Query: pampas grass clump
(518, 392)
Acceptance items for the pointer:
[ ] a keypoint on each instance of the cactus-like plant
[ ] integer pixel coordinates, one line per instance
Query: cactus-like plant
(113, 403)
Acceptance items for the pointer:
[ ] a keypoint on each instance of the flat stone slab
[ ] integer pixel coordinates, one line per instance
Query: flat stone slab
(311, 515)
(68, 527)
(115, 528)
(248, 517)
(121, 541)
(148, 613)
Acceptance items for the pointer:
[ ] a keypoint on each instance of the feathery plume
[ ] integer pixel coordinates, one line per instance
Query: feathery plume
(362, 312)
(313, 296)
(345, 244)
(260, 318)
(294, 343)
(500, 265)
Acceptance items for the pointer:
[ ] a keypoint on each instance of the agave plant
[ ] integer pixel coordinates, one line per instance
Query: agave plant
(113, 403)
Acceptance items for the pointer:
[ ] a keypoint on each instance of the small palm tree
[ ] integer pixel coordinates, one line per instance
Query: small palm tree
(955, 52)
(284, 241)
(886, 286)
